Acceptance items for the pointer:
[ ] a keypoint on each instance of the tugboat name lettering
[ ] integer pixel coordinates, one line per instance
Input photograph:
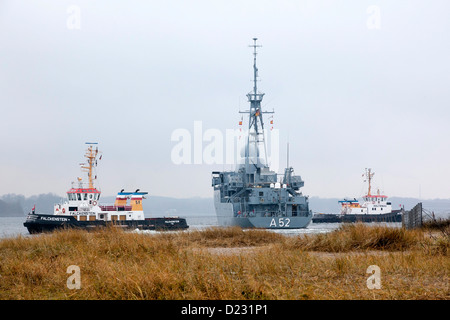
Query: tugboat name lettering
(282, 223)
(54, 219)
(82, 213)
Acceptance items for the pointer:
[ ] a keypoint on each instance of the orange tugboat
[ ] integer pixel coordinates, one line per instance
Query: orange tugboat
(81, 209)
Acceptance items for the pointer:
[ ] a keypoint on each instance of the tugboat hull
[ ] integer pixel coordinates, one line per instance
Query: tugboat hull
(394, 216)
(37, 223)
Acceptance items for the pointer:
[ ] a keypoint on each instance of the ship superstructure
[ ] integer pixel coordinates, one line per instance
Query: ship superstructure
(252, 195)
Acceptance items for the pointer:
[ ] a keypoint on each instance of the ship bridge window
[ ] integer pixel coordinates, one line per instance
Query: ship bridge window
(79, 196)
(261, 193)
(85, 196)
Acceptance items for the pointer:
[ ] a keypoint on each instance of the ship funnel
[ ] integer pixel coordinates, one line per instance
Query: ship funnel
(136, 201)
(121, 198)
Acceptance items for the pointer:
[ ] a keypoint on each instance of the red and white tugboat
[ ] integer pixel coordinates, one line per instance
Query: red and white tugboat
(82, 208)
(373, 208)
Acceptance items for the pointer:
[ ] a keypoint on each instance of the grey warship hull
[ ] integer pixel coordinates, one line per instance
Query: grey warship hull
(226, 217)
(265, 222)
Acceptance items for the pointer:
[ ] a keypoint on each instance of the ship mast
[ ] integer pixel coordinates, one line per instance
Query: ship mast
(369, 175)
(255, 123)
(91, 155)
(255, 69)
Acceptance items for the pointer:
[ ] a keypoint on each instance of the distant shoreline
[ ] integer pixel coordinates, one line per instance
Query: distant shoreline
(12, 204)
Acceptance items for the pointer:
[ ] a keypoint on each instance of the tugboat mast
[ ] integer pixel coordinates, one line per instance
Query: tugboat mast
(91, 155)
(369, 176)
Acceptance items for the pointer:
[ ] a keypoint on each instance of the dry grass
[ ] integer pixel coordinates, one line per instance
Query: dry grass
(220, 263)
(352, 237)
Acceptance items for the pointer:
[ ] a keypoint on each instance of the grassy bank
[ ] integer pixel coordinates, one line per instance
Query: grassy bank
(227, 263)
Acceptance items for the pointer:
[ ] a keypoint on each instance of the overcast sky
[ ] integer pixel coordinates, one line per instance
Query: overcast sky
(353, 84)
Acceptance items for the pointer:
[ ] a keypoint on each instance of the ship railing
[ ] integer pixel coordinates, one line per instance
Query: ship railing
(274, 214)
(115, 208)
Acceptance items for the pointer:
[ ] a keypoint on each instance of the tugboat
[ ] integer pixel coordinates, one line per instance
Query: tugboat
(82, 210)
(251, 196)
(374, 208)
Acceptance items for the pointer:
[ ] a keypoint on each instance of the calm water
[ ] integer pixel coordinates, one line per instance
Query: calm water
(13, 226)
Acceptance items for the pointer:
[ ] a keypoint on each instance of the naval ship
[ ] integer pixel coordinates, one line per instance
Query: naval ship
(252, 196)
(82, 209)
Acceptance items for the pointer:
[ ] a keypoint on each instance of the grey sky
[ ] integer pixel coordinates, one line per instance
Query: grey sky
(347, 95)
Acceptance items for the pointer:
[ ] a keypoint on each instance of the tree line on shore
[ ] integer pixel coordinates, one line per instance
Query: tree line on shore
(17, 205)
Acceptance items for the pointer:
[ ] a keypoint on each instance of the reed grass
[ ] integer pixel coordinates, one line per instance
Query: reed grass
(226, 263)
(361, 237)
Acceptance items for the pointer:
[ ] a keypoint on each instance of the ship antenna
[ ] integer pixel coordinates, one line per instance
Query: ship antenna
(287, 157)
(255, 69)
(287, 151)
